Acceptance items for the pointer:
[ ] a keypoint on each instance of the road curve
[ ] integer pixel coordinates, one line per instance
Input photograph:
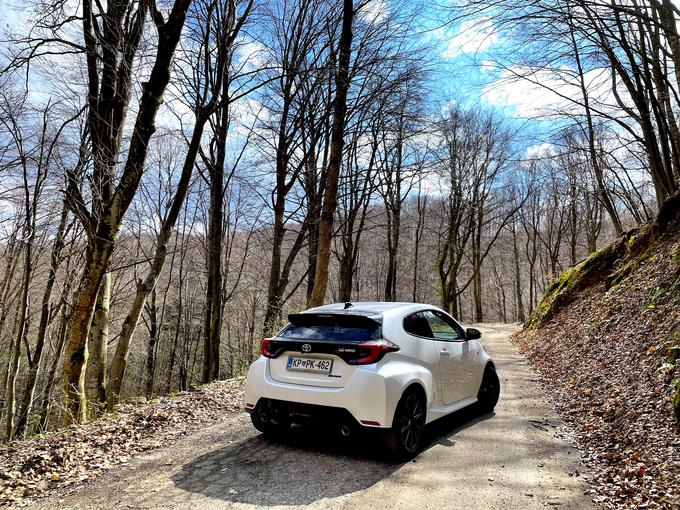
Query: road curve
(515, 458)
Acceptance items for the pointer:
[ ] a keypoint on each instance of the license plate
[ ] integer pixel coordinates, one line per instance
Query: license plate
(315, 365)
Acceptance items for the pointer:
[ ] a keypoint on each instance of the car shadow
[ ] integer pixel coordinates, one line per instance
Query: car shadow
(308, 466)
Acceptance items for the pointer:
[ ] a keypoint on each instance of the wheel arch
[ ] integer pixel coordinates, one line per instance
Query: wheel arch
(415, 386)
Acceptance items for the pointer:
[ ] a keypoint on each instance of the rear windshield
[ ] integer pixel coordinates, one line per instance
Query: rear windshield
(331, 329)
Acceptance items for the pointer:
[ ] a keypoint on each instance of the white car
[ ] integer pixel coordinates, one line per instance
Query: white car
(390, 366)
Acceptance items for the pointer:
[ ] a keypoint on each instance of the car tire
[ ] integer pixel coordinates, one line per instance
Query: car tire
(269, 419)
(489, 390)
(405, 438)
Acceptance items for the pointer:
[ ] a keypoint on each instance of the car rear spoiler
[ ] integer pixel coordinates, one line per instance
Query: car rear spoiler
(335, 319)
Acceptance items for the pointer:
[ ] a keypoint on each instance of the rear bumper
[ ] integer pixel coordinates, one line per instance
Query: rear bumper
(309, 413)
(365, 397)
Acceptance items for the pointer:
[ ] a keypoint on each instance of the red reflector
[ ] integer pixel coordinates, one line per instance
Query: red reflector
(250, 406)
(369, 422)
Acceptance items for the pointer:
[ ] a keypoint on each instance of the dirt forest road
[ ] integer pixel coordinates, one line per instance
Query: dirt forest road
(515, 458)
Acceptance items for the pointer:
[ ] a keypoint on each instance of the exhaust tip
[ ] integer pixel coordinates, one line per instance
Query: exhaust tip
(345, 430)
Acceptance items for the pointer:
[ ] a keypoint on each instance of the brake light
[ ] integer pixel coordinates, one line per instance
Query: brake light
(372, 352)
(265, 347)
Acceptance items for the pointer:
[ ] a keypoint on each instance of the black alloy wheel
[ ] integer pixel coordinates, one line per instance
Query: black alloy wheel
(405, 439)
(489, 391)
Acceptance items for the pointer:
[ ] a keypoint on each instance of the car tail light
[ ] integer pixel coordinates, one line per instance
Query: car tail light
(372, 352)
(265, 347)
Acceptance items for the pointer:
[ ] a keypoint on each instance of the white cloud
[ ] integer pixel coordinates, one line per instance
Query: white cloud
(473, 36)
(534, 93)
(374, 11)
(247, 113)
(251, 54)
(542, 150)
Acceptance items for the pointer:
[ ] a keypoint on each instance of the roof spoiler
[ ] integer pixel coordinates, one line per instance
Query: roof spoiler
(335, 319)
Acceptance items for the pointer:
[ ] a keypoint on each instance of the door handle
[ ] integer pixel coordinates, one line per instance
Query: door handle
(444, 352)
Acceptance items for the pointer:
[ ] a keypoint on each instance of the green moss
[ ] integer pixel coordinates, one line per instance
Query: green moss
(640, 247)
(587, 272)
(675, 256)
(611, 265)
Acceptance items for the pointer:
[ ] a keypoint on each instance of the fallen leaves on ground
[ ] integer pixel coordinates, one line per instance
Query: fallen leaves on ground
(78, 453)
(604, 360)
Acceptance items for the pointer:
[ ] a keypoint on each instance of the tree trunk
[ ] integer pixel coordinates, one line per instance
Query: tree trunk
(151, 350)
(21, 332)
(330, 201)
(144, 288)
(346, 270)
(520, 316)
(29, 230)
(95, 373)
(45, 405)
(45, 319)
(178, 321)
(103, 228)
(421, 206)
(573, 223)
(214, 294)
(272, 313)
(52, 372)
(478, 312)
(392, 252)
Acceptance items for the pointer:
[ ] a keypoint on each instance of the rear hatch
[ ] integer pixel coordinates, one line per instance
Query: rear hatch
(323, 349)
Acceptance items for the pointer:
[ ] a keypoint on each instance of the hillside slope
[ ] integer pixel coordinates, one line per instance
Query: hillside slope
(606, 340)
(68, 457)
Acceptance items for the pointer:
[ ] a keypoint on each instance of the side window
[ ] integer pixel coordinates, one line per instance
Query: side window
(416, 324)
(443, 328)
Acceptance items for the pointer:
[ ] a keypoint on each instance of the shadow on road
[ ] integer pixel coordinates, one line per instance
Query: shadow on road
(308, 466)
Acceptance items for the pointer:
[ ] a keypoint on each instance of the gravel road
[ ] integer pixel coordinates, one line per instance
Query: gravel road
(515, 458)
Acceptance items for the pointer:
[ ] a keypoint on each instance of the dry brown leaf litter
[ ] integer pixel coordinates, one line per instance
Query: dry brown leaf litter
(78, 453)
(603, 359)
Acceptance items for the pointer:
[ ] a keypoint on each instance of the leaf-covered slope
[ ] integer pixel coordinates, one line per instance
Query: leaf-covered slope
(70, 456)
(606, 340)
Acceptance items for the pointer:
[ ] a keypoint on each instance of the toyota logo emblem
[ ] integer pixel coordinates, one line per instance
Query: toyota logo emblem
(306, 347)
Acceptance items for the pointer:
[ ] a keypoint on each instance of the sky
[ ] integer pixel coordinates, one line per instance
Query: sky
(473, 65)
(461, 47)
(477, 67)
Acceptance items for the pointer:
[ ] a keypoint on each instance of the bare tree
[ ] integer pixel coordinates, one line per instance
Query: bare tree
(112, 38)
(330, 194)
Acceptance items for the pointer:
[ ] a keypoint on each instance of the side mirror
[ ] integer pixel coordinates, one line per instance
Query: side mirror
(472, 334)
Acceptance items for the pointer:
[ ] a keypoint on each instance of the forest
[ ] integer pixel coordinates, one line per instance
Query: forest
(176, 176)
